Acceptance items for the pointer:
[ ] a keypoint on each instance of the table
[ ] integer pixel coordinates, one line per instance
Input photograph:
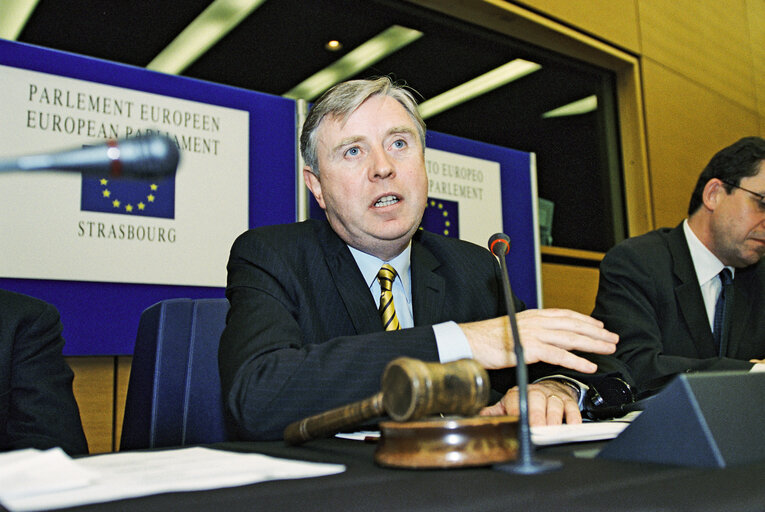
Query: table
(583, 484)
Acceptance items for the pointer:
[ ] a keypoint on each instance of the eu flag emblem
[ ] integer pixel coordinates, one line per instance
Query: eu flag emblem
(146, 198)
(442, 216)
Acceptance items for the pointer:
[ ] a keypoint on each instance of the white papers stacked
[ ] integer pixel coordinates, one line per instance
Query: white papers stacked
(589, 431)
(548, 434)
(35, 480)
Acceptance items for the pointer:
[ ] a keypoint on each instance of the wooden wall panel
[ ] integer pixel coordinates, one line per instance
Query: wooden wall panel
(686, 124)
(94, 392)
(569, 287)
(614, 21)
(756, 15)
(706, 41)
(123, 376)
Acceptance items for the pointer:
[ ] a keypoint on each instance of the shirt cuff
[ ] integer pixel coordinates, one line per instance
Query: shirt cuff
(758, 367)
(451, 342)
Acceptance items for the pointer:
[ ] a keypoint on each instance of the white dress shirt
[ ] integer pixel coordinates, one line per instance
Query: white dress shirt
(707, 267)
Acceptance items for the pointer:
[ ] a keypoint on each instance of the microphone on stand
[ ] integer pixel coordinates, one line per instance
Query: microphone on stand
(527, 464)
(145, 156)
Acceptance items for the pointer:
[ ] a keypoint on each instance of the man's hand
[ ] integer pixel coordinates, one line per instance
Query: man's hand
(547, 335)
(550, 403)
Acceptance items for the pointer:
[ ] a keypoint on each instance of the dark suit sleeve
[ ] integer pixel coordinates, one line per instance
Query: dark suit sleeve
(41, 409)
(636, 299)
(290, 350)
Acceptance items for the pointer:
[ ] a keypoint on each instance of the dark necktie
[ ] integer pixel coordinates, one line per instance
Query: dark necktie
(721, 307)
(386, 276)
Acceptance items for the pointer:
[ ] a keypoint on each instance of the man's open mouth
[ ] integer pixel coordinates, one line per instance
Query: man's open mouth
(386, 201)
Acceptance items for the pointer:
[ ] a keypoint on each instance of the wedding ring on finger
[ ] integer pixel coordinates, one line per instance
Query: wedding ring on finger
(559, 399)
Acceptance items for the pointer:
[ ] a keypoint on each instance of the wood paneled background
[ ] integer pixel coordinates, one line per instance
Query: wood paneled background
(700, 87)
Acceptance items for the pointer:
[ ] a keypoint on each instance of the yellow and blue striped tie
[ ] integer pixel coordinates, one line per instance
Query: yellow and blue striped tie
(386, 276)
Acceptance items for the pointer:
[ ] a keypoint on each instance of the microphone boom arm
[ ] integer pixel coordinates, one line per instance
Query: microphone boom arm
(499, 245)
(144, 156)
(524, 432)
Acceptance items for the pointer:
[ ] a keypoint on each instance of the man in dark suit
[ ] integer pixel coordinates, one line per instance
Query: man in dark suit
(37, 407)
(660, 291)
(304, 333)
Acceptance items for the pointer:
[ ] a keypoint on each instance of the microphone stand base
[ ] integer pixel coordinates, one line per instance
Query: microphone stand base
(532, 467)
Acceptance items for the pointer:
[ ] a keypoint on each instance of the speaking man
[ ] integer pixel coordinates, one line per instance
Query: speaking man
(319, 308)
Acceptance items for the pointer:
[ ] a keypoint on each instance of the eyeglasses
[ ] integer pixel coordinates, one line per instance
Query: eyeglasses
(760, 197)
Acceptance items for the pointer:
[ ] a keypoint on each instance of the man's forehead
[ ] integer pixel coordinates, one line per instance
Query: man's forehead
(337, 130)
(759, 178)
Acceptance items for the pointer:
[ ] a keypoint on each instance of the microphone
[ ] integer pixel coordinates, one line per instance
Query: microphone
(499, 244)
(145, 156)
(527, 464)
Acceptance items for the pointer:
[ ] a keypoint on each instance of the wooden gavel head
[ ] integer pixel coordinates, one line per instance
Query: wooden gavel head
(412, 389)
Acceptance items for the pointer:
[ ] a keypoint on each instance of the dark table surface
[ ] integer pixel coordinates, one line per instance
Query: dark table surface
(582, 484)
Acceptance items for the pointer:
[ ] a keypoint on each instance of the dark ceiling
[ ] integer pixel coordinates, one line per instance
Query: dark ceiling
(282, 43)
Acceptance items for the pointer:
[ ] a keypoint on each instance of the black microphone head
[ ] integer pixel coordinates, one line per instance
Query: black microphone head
(146, 156)
(499, 244)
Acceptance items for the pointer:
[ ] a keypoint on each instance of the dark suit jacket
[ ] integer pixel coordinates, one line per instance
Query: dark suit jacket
(303, 334)
(649, 294)
(37, 407)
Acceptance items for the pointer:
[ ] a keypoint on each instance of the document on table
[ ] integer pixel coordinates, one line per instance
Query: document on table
(35, 480)
(549, 434)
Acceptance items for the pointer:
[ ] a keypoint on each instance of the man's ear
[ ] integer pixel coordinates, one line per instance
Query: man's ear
(714, 191)
(314, 185)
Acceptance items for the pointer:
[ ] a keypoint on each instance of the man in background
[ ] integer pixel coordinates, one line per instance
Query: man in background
(37, 406)
(319, 308)
(692, 298)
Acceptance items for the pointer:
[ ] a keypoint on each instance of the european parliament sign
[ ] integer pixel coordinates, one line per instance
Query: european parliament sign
(66, 226)
(103, 250)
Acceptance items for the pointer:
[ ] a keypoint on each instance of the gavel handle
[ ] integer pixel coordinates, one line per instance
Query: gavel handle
(334, 420)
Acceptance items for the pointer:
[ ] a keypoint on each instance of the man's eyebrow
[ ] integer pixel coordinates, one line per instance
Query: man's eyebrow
(401, 130)
(353, 139)
(347, 141)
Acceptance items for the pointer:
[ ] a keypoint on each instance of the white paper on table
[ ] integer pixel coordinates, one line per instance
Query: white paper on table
(589, 431)
(131, 474)
(548, 434)
(32, 472)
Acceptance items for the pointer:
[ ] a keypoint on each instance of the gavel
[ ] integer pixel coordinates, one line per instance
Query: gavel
(411, 389)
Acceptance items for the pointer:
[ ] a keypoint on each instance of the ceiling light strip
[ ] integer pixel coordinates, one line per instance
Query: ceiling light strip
(575, 108)
(387, 42)
(14, 15)
(494, 79)
(200, 35)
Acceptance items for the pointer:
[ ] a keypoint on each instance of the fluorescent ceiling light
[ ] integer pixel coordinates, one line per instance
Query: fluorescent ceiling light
(13, 16)
(494, 79)
(582, 106)
(370, 52)
(200, 35)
